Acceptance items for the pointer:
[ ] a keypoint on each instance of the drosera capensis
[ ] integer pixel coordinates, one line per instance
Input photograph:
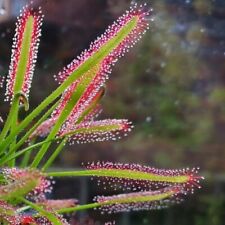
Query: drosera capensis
(70, 115)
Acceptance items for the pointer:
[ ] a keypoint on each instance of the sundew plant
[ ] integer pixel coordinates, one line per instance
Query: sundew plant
(69, 115)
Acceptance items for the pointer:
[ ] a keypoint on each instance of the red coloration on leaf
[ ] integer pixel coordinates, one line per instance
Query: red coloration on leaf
(64, 100)
(102, 70)
(44, 129)
(138, 13)
(193, 179)
(90, 94)
(16, 51)
(27, 220)
(92, 80)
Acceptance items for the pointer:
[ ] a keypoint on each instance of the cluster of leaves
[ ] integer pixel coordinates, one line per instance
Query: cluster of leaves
(69, 115)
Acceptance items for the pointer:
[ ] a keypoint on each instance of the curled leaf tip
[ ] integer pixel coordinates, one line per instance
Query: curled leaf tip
(22, 100)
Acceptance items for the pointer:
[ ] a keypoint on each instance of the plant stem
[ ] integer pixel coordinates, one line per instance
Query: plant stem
(26, 157)
(61, 119)
(54, 155)
(9, 119)
(13, 125)
(79, 208)
(19, 153)
(76, 74)
(42, 119)
(79, 173)
(33, 114)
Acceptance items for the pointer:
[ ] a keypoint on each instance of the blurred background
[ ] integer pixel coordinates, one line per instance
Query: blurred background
(171, 85)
